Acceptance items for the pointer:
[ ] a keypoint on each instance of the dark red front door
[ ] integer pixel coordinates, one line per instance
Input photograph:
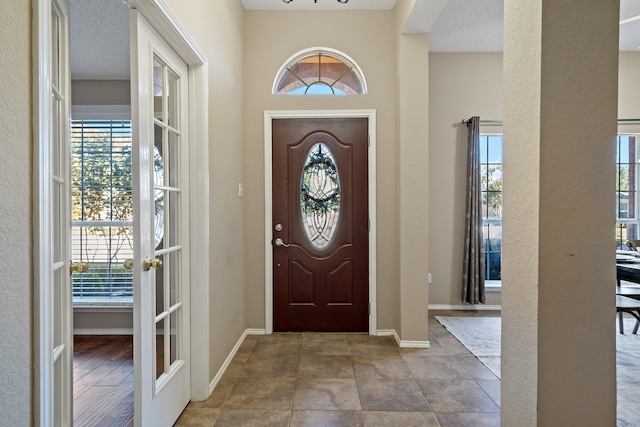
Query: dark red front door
(320, 225)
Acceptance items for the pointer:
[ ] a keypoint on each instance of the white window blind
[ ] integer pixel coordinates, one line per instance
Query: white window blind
(102, 211)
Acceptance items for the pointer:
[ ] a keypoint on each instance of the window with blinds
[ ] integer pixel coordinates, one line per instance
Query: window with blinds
(102, 211)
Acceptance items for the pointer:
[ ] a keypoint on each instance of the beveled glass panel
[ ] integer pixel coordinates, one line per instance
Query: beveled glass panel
(307, 69)
(173, 160)
(158, 88)
(173, 218)
(328, 68)
(320, 195)
(319, 88)
(173, 110)
(174, 337)
(160, 334)
(160, 287)
(174, 278)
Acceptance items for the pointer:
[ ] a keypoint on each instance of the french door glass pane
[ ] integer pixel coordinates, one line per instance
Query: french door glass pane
(173, 167)
(160, 287)
(174, 278)
(160, 331)
(158, 88)
(58, 283)
(173, 338)
(172, 99)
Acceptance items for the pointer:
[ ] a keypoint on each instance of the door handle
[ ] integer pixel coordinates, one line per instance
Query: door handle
(149, 263)
(80, 267)
(128, 264)
(280, 242)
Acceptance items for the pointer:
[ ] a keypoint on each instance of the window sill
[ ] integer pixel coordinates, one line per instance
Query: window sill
(493, 286)
(102, 306)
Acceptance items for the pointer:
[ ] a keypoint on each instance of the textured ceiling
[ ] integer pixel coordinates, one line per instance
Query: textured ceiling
(99, 33)
(100, 28)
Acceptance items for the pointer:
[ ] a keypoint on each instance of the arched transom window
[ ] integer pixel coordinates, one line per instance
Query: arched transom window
(320, 72)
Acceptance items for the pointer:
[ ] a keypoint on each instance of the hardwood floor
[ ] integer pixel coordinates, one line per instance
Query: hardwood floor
(103, 381)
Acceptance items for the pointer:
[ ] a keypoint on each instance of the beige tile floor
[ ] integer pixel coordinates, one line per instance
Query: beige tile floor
(317, 379)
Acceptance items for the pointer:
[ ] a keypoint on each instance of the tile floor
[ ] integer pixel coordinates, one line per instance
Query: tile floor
(317, 379)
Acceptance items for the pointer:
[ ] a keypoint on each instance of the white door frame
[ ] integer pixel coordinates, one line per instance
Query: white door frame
(165, 23)
(269, 116)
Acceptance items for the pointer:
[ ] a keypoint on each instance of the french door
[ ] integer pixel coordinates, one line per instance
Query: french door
(320, 224)
(159, 84)
(54, 345)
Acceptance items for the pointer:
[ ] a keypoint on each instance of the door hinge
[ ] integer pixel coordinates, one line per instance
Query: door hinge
(369, 224)
(369, 140)
(369, 308)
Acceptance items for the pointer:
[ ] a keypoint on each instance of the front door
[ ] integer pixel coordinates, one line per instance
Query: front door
(160, 89)
(320, 225)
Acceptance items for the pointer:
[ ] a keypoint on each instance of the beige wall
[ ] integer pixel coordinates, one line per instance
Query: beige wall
(15, 213)
(216, 27)
(101, 92)
(270, 39)
(629, 90)
(462, 85)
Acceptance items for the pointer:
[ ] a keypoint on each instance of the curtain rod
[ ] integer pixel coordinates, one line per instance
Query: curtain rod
(499, 122)
(484, 122)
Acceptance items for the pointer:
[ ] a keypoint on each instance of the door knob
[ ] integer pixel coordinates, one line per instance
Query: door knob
(280, 242)
(80, 267)
(149, 263)
(128, 263)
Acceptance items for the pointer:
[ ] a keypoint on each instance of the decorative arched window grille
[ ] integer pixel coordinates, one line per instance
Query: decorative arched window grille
(320, 71)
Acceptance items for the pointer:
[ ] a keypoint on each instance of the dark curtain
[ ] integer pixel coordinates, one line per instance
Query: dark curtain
(473, 273)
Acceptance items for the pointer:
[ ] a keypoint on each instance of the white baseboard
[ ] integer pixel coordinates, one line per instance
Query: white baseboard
(103, 331)
(231, 355)
(401, 343)
(478, 307)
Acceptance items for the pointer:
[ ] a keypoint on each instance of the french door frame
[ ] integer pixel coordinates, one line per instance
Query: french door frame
(269, 116)
(166, 24)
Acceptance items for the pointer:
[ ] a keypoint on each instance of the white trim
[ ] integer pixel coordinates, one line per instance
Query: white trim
(493, 285)
(199, 217)
(466, 307)
(230, 357)
(401, 343)
(103, 309)
(165, 23)
(42, 227)
(314, 50)
(100, 331)
(414, 344)
(268, 205)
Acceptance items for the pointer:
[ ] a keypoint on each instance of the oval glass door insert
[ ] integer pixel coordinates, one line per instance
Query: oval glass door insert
(320, 196)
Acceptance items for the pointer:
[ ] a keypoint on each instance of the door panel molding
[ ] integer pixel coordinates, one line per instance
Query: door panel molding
(269, 116)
